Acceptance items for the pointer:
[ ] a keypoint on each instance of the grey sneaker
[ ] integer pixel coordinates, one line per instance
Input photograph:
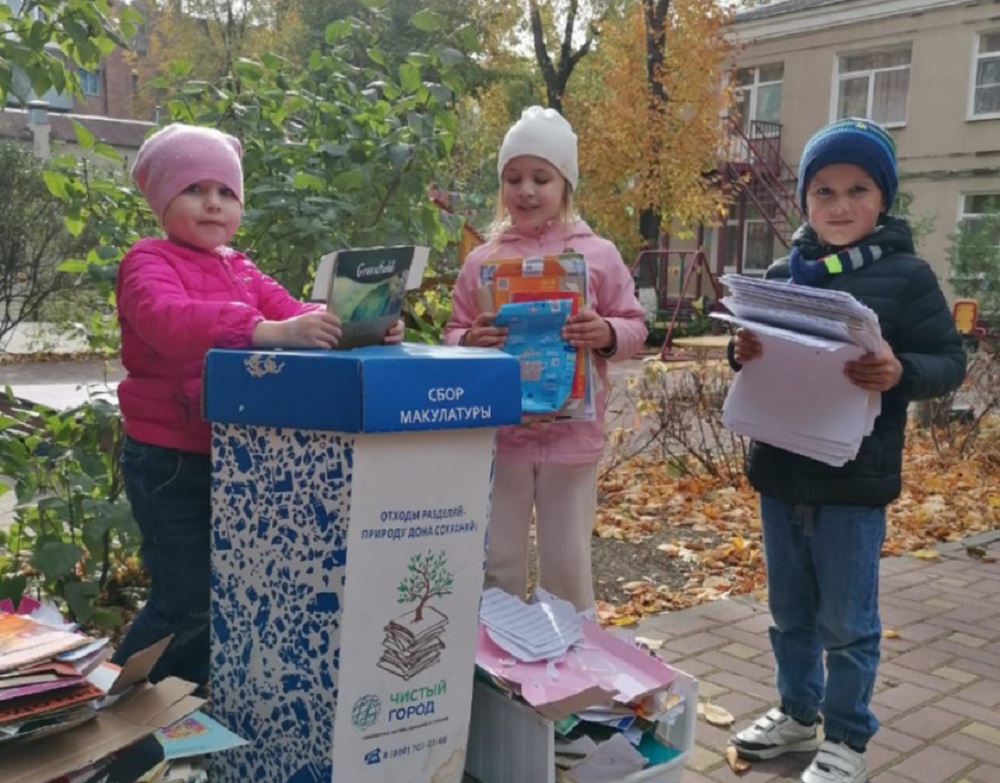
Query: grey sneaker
(836, 763)
(773, 734)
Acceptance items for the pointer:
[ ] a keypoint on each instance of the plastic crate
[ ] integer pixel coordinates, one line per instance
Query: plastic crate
(511, 743)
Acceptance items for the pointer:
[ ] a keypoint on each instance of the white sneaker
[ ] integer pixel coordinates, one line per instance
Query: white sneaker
(773, 734)
(836, 763)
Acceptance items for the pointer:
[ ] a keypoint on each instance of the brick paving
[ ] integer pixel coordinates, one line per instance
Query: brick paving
(938, 687)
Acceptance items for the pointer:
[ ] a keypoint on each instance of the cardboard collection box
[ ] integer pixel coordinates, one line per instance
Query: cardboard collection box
(350, 505)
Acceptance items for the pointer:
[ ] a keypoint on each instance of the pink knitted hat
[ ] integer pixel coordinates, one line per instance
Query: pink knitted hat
(179, 155)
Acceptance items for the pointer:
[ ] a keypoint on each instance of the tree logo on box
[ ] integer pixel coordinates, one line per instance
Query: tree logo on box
(413, 641)
(366, 711)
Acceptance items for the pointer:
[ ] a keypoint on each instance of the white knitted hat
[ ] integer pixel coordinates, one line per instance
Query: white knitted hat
(546, 134)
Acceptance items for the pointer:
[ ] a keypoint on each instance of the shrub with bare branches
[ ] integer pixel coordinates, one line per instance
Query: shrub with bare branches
(675, 414)
(966, 423)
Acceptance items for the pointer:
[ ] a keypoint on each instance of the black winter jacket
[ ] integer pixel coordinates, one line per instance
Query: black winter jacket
(917, 322)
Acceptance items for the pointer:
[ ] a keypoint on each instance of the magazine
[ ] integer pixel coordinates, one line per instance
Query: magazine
(25, 641)
(548, 362)
(542, 278)
(365, 288)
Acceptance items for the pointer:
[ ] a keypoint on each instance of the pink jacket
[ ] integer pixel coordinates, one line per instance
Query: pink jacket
(174, 303)
(612, 295)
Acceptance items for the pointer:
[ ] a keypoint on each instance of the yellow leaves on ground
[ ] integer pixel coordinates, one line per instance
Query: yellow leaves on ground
(715, 529)
(716, 715)
(736, 764)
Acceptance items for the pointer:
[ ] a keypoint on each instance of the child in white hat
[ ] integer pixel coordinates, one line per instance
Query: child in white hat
(549, 471)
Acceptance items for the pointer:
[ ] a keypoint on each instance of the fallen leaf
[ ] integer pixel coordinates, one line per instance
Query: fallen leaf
(927, 554)
(716, 715)
(887, 634)
(736, 763)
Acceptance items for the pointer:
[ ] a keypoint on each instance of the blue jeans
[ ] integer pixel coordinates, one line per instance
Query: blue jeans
(822, 585)
(170, 495)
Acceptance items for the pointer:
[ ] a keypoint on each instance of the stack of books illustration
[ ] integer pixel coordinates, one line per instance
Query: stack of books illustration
(412, 646)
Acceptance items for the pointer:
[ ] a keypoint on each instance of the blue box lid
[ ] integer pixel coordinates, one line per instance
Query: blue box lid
(383, 388)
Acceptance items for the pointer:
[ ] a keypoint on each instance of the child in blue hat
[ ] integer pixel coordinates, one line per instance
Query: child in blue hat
(824, 525)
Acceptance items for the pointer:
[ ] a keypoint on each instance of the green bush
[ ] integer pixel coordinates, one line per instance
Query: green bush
(73, 534)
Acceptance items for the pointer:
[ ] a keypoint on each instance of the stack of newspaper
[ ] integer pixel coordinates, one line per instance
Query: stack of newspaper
(795, 395)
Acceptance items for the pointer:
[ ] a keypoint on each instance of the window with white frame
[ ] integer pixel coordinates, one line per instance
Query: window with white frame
(874, 85)
(976, 205)
(90, 81)
(759, 95)
(758, 241)
(986, 87)
(974, 251)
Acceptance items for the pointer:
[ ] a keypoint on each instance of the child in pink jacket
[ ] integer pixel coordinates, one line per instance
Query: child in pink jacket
(177, 298)
(548, 471)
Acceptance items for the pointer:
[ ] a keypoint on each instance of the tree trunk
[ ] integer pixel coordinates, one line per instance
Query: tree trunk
(557, 77)
(656, 41)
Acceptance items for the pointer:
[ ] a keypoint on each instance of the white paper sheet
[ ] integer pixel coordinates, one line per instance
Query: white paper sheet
(795, 395)
(530, 632)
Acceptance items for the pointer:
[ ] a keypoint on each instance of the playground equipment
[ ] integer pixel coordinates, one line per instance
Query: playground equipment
(675, 285)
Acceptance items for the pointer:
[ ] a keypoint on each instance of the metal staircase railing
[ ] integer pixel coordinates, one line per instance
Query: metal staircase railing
(762, 174)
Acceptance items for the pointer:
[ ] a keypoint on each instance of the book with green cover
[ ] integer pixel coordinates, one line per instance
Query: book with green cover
(365, 288)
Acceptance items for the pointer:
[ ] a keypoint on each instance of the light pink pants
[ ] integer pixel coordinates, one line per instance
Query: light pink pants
(564, 500)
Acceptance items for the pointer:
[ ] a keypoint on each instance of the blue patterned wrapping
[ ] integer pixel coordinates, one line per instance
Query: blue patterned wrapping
(281, 501)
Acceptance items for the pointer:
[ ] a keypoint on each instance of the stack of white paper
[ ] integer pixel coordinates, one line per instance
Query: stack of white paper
(795, 395)
(540, 631)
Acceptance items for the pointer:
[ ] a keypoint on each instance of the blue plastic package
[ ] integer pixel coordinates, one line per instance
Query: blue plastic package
(548, 362)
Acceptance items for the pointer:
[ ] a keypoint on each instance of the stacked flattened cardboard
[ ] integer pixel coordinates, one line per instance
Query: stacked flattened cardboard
(611, 701)
(795, 395)
(67, 715)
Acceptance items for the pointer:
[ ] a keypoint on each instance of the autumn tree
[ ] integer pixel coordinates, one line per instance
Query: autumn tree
(556, 74)
(427, 578)
(648, 114)
(188, 40)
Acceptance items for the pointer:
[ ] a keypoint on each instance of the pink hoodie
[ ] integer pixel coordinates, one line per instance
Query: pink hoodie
(174, 303)
(612, 295)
